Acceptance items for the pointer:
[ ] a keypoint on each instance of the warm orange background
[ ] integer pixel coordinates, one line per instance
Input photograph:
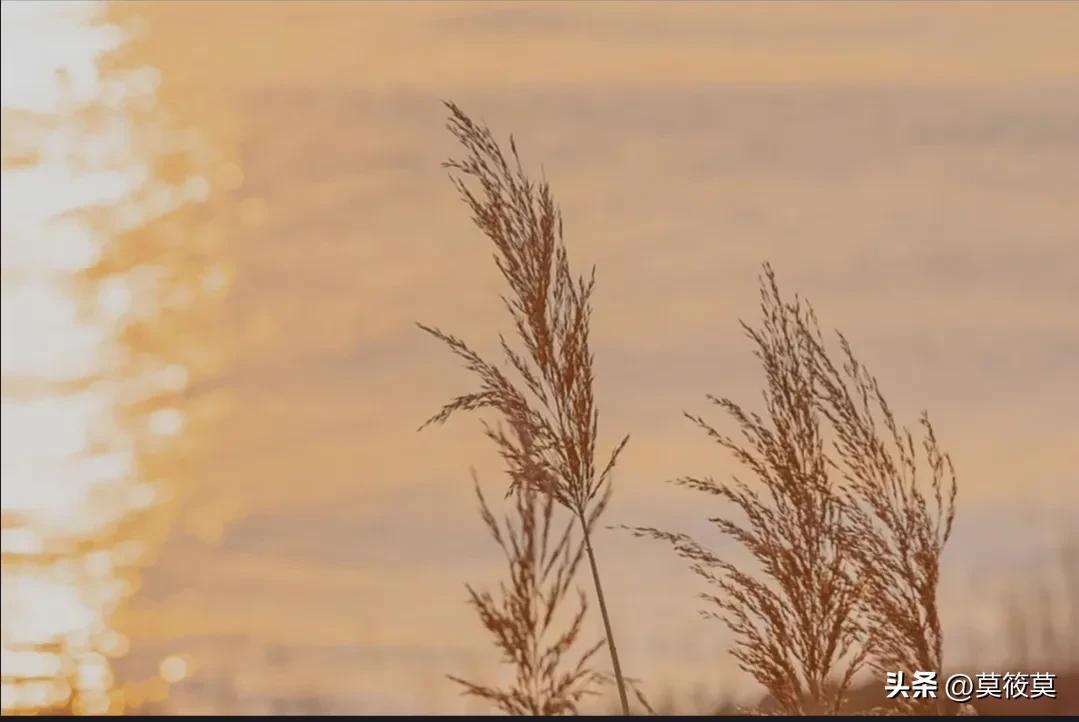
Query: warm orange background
(912, 168)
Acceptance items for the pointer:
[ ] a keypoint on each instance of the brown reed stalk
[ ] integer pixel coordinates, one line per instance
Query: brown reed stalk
(522, 615)
(795, 622)
(900, 497)
(552, 401)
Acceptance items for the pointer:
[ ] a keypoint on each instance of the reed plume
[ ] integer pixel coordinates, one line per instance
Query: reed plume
(522, 615)
(848, 522)
(795, 623)
(900, 496)
(551, 403)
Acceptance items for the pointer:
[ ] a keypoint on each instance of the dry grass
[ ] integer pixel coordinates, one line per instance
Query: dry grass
(1040, 616)
(795, 627)
(522, 616)
(846, 521)
(550, 403)
(846, 517)
(900, 502)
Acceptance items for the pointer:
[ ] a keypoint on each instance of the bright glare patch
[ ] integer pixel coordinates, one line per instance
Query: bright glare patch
(70, 469)
(38, 75)
(173, 669)
(166, 422)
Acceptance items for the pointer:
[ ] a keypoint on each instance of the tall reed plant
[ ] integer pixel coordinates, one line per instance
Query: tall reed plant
(545, 391)
(843, 514)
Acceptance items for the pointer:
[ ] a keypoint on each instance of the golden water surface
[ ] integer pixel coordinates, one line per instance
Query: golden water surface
(220, 222)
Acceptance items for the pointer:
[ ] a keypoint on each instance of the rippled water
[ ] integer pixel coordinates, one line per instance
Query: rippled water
(220, 225)
(102, 291)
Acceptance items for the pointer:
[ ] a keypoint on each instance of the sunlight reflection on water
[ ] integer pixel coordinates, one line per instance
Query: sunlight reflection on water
(92, 384)
(317, 546)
